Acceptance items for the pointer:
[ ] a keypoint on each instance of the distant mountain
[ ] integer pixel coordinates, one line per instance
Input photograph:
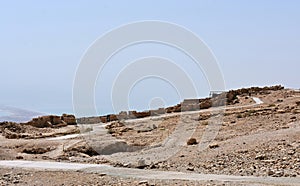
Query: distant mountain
(18, 114)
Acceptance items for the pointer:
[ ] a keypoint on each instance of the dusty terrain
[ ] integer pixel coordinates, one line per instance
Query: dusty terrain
(245, 138)
(11, 176)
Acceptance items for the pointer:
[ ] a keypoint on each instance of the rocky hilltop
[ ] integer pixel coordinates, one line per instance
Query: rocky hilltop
(40, 127)
(219, 99)
(257, 137)
(53, 121)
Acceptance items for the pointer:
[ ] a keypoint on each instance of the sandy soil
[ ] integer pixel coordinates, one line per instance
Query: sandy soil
(252, 140)
(10, 176)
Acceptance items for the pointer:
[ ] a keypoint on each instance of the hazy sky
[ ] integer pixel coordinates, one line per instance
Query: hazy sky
(42, 42)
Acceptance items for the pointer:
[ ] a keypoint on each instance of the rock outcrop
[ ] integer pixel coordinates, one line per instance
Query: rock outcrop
(230, 97)
(11, 130)
(232, 94)
(53, 121)
(192, 141)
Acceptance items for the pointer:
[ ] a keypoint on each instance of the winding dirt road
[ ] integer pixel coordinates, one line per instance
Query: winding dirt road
(145, 174)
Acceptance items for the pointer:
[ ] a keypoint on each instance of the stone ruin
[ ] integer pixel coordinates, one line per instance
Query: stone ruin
(219, 99)
(53, 121)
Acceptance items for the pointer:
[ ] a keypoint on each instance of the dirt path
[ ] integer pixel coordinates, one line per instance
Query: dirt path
(176, 140)
(145, 174)
(166, 149)
(160, 152)
(257, 101)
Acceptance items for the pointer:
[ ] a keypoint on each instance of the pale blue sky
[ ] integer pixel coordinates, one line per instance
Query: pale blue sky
(255, 42)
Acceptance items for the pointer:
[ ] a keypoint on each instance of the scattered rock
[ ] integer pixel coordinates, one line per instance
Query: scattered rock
(242, 151)
(268, 161)
(115, 124)
(69, 119)
(52, 121)
(146, 128)
(141, 164)
(281, 111)
(7, 174)
(213, 145)
(19, 157)
(143, 182)
(278, 173)
(82, 147)
(190, 168)
(260, 157)
(192, 141)
(270, 172)
(291, 152)
(102, 174)
(15, 181)
(36, 150)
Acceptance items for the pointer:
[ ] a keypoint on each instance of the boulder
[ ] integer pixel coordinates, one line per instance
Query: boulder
(82, 147)
(142, 114)
(113, 117)
(53, 121)
(122, 115)
(213, 145)
(36, 150)
(176, 108)
(192, 141)
(103, 119)
(205, 104)
(11, 126)
(69, 119)
(10, 134)
(157, 112)
(108, 147)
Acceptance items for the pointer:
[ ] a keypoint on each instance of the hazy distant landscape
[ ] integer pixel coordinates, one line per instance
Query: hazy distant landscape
(150, 93)
(17, 114)
(240, 137)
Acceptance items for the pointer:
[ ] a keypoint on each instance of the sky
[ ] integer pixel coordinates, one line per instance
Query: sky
(256, 43)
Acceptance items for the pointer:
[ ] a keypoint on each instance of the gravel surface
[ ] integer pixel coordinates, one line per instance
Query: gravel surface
(259, 140)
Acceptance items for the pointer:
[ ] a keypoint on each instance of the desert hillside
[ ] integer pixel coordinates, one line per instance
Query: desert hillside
(248, 136)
